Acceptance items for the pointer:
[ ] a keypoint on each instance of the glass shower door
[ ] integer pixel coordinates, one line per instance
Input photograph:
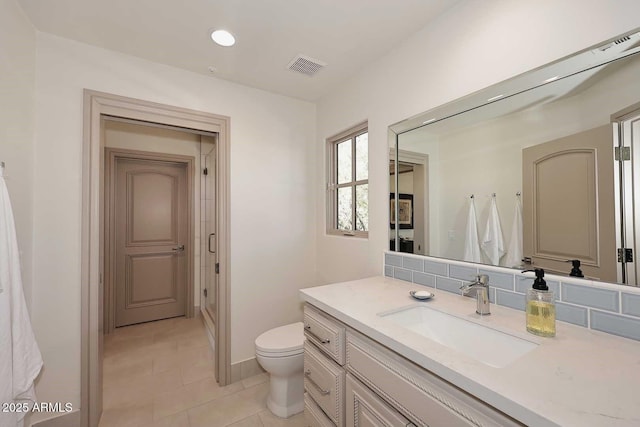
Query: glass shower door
(210, 256)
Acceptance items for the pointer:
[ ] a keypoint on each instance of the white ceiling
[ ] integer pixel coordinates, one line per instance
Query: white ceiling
(345, 34)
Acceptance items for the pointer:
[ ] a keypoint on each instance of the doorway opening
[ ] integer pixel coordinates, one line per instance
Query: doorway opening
(413, 200)
(213, 193)
(627, 191)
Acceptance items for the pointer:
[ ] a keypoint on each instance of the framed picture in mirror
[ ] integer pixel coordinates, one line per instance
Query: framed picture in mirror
(405, 211)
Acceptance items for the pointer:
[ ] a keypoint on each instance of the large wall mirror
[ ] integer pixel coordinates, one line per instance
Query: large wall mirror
(539, 168)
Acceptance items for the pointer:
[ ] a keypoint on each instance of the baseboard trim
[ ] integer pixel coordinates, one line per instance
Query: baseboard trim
(245, 369)
(71, 419)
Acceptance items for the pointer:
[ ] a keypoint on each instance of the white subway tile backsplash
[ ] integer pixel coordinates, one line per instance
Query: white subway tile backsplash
(510, 299)
(631, 304)
(580, 303)
(572, 314)
(394, 260)
(402, 274)
(591, 297)
(424, 279)
(499, 280)
(388, 271)
(413, 264)
(448, 285)
(523, 283)
(467, 274)
(439, 268)
(614, 324)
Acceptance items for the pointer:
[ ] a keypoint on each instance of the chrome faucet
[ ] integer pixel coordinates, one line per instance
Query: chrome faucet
(481, 287)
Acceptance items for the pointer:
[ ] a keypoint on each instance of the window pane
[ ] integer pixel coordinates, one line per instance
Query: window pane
(362, 156)
(362, 207)
(344, 162)
(345, 202)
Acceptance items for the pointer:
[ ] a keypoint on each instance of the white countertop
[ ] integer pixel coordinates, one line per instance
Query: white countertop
(578, 378)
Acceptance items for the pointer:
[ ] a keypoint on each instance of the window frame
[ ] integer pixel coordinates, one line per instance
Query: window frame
(332, 185)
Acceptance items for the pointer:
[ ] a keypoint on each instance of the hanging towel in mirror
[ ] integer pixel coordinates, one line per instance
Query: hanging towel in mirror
(20, 359)
(514, 251)
(493, 242)
(471, 242)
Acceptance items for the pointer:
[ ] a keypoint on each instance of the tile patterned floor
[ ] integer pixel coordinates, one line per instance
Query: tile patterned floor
(160, 374)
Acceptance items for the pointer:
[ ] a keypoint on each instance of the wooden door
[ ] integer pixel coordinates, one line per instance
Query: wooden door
(151, 233)
(568, 204)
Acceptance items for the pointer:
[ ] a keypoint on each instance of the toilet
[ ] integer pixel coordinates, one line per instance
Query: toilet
(280, 352)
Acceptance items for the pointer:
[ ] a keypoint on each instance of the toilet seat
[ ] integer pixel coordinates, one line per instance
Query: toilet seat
(282, 341)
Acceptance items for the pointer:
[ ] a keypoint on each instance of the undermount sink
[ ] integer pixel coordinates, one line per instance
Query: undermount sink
(489, 346)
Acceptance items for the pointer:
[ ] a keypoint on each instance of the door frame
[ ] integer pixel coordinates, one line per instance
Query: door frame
(421, 205)
(97, 105)
(111, 157)
(625, 192)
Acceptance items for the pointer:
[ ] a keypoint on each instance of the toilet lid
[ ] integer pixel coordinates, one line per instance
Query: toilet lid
(286, 338)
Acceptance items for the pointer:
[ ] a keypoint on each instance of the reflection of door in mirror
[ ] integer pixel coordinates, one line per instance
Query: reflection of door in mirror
(413, 179)
(569, 204)
(628, 126)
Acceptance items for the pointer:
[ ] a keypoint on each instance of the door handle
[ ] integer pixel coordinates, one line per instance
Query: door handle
(209, 248)
(178, 249)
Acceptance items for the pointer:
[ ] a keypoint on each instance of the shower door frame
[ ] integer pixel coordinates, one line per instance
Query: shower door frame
(97, 105)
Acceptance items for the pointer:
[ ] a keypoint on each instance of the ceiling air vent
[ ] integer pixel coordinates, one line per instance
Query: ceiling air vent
(305, 65)
(622, 40)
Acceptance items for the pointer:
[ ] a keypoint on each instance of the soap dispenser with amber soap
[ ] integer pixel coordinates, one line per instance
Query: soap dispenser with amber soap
(541, 309)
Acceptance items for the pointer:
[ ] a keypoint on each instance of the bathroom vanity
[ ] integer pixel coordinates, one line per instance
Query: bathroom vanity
(373, 358)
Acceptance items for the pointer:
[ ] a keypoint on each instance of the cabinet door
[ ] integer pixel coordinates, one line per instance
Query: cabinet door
(324, 381)
(366, 409)
(314, 416)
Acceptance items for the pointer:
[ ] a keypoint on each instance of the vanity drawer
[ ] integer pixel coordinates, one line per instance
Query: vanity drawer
(324, 382)
(425, 399)
(364, 408)
(314, 415)
(326, 333)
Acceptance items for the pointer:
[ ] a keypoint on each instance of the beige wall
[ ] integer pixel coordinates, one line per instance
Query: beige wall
(473, 45)
(272, 195)
(17, 106)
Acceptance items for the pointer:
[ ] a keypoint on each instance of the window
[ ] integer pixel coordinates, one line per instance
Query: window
(348, 186)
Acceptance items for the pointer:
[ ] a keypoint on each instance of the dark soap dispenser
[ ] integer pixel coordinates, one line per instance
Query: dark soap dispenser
(575, 270)
(541, 309)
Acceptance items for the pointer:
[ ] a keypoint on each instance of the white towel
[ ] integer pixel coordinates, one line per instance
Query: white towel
(514, 251)
(493, 242)
(471, 243)
(20, 359)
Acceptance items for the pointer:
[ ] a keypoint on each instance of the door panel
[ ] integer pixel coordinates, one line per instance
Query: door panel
(159, 269)
(151, 227)
(151, 197)
(568, 203)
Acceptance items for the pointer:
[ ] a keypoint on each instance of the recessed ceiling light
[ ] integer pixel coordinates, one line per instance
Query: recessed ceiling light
(223, 38)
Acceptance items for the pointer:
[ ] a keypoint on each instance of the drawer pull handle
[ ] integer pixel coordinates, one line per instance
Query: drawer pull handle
(322, 340)
(307, 375)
